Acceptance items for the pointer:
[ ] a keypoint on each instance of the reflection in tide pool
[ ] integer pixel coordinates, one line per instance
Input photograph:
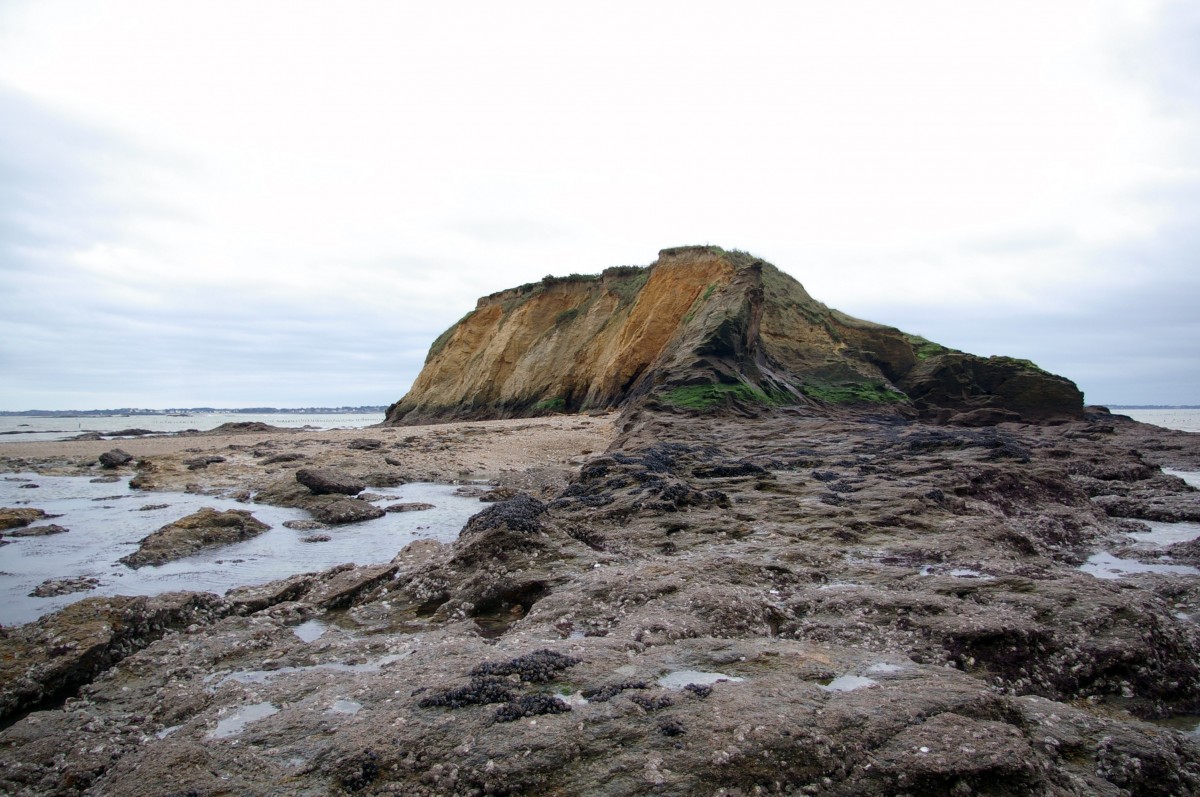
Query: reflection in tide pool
(1163, 534)
(1105, 565)
(107, 521)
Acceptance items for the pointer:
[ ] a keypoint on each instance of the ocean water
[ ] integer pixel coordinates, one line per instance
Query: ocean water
(28, 428)
(107, 521)
(1184, 420)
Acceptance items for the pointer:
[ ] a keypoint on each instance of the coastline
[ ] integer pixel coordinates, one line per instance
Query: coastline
(703, 604)
(440, 452)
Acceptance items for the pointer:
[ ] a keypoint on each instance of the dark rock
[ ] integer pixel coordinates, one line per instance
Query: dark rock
(540, 666)
(602, 694)
(200, 463)
(14, 518)
(326, 482)
(480, 691)
(304, 525)
(415, 506)
(522, 513)
(206, 528)
(64, 586)
(671, 728)
(653, 702)
(276, 459)
(241, 427)
(316, 538)
(115, 458)
(50, 659)
(38, 531)
(364, 444)
(340, 511)
(530, 706)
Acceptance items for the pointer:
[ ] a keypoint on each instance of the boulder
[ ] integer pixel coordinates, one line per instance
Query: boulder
(39, 531)
(53, 587)
(340, 511)
(15, 518)
(115, 458)
(412, 506)
(207, 528)
(321, 481)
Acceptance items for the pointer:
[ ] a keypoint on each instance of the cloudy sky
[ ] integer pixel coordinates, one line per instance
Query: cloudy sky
(283, 203)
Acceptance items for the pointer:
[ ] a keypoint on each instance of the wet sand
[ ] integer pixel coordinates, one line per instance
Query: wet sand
(442, 452)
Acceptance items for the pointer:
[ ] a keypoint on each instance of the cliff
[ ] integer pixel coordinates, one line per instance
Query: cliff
(703, 329)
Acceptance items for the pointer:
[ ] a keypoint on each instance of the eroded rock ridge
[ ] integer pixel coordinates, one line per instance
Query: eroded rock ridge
(702, 329)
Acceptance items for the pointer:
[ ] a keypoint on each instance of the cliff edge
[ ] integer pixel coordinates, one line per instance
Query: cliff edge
(702, 329)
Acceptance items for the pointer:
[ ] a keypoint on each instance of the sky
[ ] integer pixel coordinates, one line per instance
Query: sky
(260, 203)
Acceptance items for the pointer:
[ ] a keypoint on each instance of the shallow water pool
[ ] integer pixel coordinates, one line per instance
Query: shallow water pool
(107, 521)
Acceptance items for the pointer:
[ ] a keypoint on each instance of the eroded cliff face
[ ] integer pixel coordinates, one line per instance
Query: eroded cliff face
(701, 329)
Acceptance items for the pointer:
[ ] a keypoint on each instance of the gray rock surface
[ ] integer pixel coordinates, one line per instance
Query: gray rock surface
(207, 528)
(786, 604)
(115, 458)
(321, 481)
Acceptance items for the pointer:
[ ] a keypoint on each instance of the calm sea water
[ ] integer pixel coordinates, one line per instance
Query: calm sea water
(1184, 420)
(107, 521)
(25, 428)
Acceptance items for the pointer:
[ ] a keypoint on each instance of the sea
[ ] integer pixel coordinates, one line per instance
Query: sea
(29, 428)
(106, 521)
(1186, 420)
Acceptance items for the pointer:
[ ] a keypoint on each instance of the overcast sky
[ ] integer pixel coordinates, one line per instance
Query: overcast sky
(283, 203)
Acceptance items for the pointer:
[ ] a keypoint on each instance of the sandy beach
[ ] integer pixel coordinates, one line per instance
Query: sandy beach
(479, 450)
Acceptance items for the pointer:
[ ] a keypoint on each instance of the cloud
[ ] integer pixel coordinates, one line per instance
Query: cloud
(289, 209)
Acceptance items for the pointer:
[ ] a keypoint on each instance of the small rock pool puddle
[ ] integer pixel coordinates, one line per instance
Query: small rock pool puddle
(106, 521)
(679, 679)
(266, 676)
(237, 722)
(1159, 535)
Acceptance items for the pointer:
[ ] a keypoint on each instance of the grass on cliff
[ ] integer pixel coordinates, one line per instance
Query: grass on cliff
(924, 349)
(705, 397)
(557, 404)
(853, 393)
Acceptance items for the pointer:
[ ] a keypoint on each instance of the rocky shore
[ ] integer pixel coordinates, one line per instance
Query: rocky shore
(667, 602)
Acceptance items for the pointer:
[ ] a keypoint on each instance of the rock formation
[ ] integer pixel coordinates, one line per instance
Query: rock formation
(702, 328)
(207, 528)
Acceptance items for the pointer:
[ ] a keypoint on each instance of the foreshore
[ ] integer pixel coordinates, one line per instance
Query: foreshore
(442, 452)
(658, 603)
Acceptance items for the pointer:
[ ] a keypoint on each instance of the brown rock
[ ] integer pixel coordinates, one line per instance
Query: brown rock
(14, 518)
(207, 528)
(38, 531)
(115, 458)
(340, 511)
(412, 506)
(321, 481)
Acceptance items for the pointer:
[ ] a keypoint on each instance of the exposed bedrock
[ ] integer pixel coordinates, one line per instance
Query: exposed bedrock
(734, 606)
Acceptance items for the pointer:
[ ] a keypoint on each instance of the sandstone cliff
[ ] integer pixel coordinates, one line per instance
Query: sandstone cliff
(701, 329)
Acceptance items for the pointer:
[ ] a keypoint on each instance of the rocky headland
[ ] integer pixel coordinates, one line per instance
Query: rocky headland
(800, 554)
